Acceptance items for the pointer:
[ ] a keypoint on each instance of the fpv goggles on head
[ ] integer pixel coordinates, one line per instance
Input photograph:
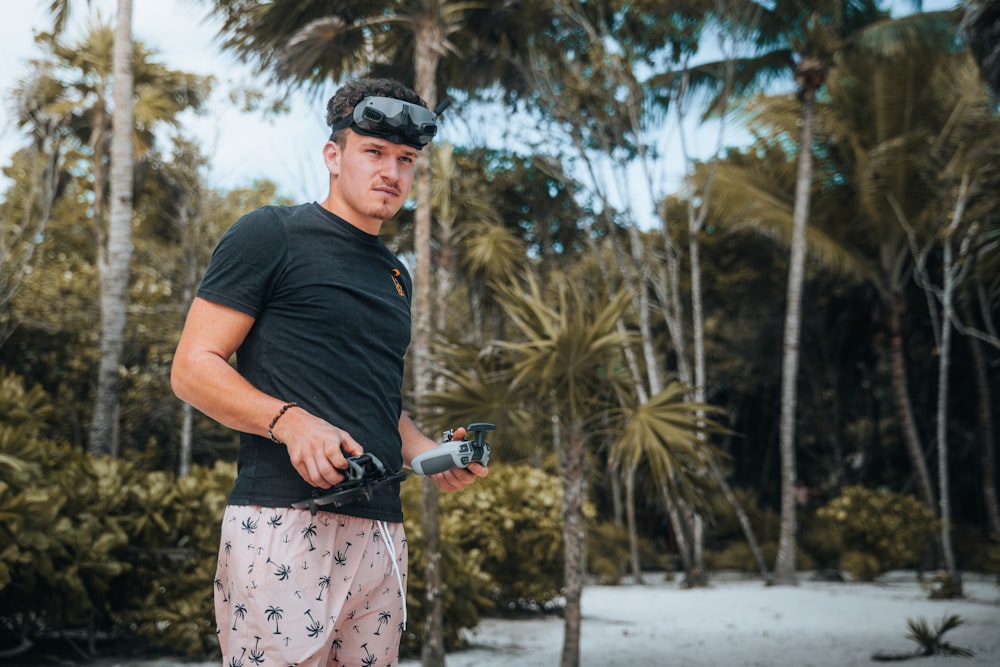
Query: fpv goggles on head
(391, 119)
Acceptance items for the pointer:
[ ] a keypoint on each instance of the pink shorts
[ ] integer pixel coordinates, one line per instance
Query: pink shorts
(318, 591)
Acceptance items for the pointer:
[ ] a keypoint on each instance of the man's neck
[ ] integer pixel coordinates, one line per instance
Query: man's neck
(366, 224)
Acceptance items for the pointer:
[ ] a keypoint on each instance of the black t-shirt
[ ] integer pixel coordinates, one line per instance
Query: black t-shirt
(332, 324)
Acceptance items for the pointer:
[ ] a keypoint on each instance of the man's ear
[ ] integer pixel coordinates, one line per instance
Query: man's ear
(331, 155)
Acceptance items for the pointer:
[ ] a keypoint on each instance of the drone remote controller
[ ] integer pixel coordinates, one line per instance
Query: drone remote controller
(362, 476)
(455, 453)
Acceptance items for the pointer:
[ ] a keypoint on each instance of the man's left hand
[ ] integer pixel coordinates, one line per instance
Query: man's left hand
(457, 479)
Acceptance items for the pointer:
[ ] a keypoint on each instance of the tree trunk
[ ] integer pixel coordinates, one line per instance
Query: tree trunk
(445, 272)
(698, 577)
(617, 505)
(944, 360)
(114, 260)
(784, 569)
(744, 520)
(571, 455)
(425, 65)
(904, 407)
(985, 427)
(633, 531)
(190, 232)
(942, 415)
(187, 434)
(680, 534)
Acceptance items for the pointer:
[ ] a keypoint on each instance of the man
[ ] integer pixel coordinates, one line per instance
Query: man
(317, 311)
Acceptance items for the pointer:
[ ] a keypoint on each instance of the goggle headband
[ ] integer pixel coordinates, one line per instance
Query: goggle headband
(395, 120)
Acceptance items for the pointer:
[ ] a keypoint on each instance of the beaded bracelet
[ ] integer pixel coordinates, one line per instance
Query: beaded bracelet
(274, 421)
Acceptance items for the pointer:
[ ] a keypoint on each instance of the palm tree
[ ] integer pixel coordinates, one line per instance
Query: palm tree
(115, 258)
(569, 349)
(110, 57)
(981, 26)
(584, 79)
(667, 433)
(274, 614)
(115, 255)
(802, 38)
(930, 641)
(876, 145)
(451, 212)
(938, 152)
(960, 164)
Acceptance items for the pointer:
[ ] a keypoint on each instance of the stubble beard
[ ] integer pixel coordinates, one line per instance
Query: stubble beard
(381, 211)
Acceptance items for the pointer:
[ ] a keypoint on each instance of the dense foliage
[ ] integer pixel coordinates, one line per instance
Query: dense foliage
(501, 550)
(877, 531)
(100, 548)
(565, 313)
(96, 546)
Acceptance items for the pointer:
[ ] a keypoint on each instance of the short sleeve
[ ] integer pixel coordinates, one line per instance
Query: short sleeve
(246, 263)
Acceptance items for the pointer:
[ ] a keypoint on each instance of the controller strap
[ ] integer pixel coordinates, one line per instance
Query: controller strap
(347, 492)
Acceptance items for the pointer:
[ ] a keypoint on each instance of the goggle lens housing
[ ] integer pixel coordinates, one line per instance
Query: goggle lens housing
(394, 120)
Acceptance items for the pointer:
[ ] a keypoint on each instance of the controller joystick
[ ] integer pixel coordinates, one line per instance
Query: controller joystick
(455, 453)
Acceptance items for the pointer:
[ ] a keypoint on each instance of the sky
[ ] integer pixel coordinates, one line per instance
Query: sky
(242, 146)
(248, 146)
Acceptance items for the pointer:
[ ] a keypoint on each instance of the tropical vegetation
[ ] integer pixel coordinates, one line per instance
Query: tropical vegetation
(787, 363)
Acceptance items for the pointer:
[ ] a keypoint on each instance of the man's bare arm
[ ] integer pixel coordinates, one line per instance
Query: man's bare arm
(202, 376)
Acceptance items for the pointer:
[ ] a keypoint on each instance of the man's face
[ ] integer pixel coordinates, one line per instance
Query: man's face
(371, 178)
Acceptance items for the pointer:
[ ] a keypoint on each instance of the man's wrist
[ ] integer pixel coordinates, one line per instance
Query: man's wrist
(270, 429)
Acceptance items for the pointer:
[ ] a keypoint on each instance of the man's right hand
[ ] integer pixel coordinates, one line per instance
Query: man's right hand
(318, 450)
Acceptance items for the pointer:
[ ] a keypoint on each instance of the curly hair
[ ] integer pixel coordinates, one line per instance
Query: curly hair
(342, 104)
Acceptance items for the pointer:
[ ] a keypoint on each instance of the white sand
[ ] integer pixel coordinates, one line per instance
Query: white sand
(742, 622)
(735, 622)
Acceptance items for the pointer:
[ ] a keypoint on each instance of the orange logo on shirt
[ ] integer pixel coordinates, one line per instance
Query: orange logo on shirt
(399, 287)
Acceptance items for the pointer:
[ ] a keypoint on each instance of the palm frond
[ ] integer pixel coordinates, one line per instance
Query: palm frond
(565, 347)
(902, 37)
(666, 434)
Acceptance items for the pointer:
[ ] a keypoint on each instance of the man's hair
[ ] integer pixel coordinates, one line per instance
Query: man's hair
(348, 96)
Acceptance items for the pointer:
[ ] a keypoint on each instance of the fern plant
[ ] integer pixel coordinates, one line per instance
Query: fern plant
(930, 640)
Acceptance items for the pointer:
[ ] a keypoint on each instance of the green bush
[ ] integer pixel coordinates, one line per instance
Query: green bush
(607, 552)
(175, 525)
(61, 539)
(736, 556)
(944, 586)
(726, 546)
(465, 580)
(608, 558)
(514, 517)
(725, 527)
(98, 546)
(501, 543)
(861, 565)
(878, 530)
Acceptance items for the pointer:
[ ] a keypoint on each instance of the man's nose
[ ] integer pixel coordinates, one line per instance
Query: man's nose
(390, 169)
